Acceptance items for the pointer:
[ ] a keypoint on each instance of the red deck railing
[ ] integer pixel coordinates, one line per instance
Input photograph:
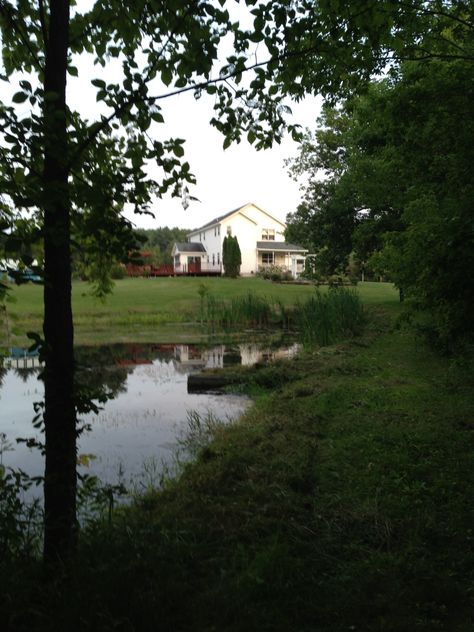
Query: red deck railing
(188, 269)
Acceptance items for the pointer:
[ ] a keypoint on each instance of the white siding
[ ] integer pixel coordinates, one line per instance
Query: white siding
(247, 225)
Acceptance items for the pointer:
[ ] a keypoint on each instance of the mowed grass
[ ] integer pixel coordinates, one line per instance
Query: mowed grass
(155, 310)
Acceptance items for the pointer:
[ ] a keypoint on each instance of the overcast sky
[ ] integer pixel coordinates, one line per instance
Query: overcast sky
(227, 179)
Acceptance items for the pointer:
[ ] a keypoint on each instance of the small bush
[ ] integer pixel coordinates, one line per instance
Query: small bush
(117, 271)
(277, 274)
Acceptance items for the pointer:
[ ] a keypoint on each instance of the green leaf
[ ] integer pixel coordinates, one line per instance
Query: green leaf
(166, 76)
(157, 116)
(19, 97)
(98, 83)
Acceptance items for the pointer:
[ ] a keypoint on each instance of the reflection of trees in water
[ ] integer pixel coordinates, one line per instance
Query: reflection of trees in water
(97, 376)
(122, 354)
(102, 383)
(25, 374)
(3, 372)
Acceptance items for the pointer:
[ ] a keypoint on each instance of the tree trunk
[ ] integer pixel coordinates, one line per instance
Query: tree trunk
(59, 414)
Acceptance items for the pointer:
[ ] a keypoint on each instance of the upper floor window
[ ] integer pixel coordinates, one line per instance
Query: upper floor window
(268, 234)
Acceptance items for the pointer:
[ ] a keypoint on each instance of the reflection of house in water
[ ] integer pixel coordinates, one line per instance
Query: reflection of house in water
(225, 355)
(22, 359)
(195, 356)
(252, 354)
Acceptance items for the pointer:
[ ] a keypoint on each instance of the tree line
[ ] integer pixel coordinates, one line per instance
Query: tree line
(389, 187)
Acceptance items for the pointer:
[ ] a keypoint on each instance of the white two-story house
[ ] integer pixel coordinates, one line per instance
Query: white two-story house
(261, 240)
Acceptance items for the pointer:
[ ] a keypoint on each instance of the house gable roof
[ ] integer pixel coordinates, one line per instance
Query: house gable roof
(189, 246)
(218, 220)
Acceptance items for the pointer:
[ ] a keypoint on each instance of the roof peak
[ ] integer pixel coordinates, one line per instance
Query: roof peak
(219, 219)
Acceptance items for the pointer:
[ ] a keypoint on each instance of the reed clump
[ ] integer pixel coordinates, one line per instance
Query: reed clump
(327, 317)
(249, 310)
(321, 320)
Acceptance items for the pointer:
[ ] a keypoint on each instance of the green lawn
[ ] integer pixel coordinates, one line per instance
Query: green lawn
(161, 309)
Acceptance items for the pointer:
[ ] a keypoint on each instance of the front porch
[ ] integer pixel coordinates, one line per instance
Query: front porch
(285, 257)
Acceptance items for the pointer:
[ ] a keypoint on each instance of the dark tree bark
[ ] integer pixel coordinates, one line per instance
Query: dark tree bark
(59, 414)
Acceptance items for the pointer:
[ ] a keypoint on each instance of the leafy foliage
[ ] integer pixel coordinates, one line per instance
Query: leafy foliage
(402, 181)
(159, 241)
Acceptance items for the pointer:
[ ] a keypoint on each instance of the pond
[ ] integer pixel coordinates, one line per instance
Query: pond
(136, 432)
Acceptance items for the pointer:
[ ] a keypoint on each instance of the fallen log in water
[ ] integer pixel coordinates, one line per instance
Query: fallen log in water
(202, 382)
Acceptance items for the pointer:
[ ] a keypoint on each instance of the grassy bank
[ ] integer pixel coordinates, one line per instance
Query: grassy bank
(155, 310)
(341, 501)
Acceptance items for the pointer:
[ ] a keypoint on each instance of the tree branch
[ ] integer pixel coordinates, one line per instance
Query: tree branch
(42, 16)
(7, 10)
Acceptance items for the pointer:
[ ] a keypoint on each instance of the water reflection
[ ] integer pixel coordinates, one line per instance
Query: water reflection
(147, 407)
(226, 355)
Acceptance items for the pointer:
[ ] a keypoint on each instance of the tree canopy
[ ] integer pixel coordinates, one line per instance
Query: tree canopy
(398, 188)
(71, 176)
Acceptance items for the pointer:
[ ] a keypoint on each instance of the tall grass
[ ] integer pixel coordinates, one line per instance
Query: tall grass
(321, 320)
(249, 310)
(325, 318)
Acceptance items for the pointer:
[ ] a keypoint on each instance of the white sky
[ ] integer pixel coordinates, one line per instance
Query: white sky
(227, 179)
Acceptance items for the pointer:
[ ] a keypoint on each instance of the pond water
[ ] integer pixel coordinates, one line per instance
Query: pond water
(138, 428)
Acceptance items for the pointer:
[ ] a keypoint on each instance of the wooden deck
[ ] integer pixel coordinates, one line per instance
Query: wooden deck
(190, 269)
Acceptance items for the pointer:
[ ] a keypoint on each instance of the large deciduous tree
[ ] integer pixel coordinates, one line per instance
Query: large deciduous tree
(403, 182)
(72, 174)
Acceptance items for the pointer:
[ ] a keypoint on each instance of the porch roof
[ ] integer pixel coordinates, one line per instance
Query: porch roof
(280, 246)
(189, 246)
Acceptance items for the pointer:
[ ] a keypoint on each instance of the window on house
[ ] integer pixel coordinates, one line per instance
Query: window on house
(218, 258)
(268, 234)
(213, 259)
(267, 257)
(219, 229)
